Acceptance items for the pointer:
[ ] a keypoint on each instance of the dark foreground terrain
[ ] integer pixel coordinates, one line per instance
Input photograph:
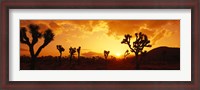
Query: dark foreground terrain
(162, 58)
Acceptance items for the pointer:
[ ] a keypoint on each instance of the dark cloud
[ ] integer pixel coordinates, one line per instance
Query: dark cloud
(121, 27)
(148, 32)
(158, 36)
(154, 29)
(154, 24)
(53, 25)
(86, 25)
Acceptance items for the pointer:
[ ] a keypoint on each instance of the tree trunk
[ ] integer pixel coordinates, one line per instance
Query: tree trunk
(33, 58)
(137, 62)
(78, 55)
(32, 65)
(60, 58)
(70, 59)
(78, 58)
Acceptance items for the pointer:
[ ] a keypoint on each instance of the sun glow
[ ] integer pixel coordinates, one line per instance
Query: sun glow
(118, 54)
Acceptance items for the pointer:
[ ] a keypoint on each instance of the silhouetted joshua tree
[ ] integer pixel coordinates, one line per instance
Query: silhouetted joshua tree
(126, 54)
(138, 45)
(78, 51)
(60, 49)
(106, 53)
(35, 34)
(72, 52)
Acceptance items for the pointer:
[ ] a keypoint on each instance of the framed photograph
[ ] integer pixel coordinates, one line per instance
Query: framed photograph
(130, 44)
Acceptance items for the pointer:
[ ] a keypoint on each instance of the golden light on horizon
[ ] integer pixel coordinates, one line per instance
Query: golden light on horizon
(118, 54)
(95, 36)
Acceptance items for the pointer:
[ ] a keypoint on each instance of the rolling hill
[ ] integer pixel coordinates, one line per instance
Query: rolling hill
(165, 57)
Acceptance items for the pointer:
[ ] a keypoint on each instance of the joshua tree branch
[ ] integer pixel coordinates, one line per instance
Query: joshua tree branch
(39, 50)
(129, 45)
(34, 41)
(23, 37)
(22, 40)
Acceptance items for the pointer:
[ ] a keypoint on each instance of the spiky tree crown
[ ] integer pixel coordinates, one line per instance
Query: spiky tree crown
(139, 44)
(60, 48)
(106, 52)
(72, 50)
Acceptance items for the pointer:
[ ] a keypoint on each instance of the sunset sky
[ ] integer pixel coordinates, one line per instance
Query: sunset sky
(95, 36)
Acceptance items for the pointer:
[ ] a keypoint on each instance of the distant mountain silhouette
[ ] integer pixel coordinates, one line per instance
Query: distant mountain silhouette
(167, 57)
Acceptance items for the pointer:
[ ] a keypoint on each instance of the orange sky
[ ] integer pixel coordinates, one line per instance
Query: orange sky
(95, 36)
